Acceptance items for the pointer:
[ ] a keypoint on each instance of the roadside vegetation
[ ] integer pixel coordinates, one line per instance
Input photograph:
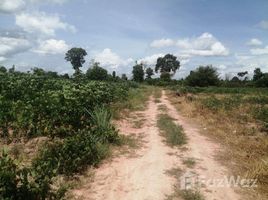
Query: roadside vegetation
(54, 126)
(237, 118)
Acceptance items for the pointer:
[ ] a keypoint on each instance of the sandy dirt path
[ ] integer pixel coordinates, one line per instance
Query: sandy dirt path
(203, 151)
(144, 176)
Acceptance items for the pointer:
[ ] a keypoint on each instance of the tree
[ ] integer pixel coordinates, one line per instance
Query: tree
(149, 73)
(242, 74)
(3, 69)
(114, 74)
(38, 71)
(95, 72)
(203, 76)
(138, 72)
(168, 65)
(124, 77)
(257, 74)
(76, 57)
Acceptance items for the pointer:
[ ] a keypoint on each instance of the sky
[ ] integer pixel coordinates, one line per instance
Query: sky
(231, 35)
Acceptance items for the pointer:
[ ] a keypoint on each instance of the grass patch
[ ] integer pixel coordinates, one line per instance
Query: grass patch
(172, 132)
(174, 172)
(157, 92)
(189, 162)
(185, 195)
(136, 100)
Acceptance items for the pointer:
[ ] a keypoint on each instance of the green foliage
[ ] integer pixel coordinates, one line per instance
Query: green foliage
(103, 130)
(76, 57)
(203, 77)
(149, 73)
(95, 72)
(257, 74)
(3, 69)
(71, 155)
(138, 73)
(226, 103)
(38, 105)
(20, 183)
(167, 64)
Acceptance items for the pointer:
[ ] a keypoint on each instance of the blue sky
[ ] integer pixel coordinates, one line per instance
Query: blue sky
(230, 35)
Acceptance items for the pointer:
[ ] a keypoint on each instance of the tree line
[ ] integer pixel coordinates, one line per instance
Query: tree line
(167, 66)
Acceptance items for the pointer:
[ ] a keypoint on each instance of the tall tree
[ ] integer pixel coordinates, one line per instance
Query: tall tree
(114, 74)
(124, 77)
(167, 65)
(95, 72)
(149, 73)
(257, 74)
(76, 57)
(138, 72)
(203, 76)
(3, 69)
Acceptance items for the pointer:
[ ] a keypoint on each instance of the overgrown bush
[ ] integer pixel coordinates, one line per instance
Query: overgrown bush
(19, 183)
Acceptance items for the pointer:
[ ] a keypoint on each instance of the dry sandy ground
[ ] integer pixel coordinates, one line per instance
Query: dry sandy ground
(144, 176)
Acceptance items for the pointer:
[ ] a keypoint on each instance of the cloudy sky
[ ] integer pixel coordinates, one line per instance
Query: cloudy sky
(230, 35)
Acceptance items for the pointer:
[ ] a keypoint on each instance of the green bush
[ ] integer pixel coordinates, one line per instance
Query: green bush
(20, 183)
(70, 156)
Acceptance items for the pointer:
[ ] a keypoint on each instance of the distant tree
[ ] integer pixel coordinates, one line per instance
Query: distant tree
(66, 76)
(12, 69)
(167, 65)
(124, 77)
(114, 74)
(149, 73)
(203, 76)
(257, 74)
(235, 79)
(95, 72)
(38, 71)
(52, 74)
(242, 74)
(263, 81)
(138, 72)
(3, 69)
(76, 57)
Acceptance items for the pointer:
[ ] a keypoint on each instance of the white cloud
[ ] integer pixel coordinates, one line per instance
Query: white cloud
(10, 46)
(40, 22)
(263, 24)
(254, 42)
(162, 43)
(2, 58)
(250, 62)
(10, 6)
(150, 60)
(259, 51)
(52, 46)
(109, 59)
(204, 45)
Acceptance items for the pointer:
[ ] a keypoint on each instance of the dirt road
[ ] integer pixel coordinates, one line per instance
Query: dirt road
(144, 175)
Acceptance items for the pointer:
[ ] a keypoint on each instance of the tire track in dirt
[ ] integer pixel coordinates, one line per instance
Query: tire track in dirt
(144, 176)
(204, 152)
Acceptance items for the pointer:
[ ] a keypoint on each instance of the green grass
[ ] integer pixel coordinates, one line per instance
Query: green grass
(136, 101)
(172, 132)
